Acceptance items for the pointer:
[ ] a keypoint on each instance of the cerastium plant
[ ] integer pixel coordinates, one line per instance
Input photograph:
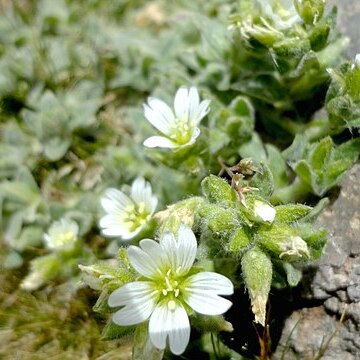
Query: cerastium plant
(174, 152)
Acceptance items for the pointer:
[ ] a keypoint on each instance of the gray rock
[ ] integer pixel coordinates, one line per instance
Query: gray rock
(336, 281)
(348, 22)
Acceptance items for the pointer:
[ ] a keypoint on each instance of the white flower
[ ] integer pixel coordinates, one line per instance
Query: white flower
(127, 215)
(168, 289)
(179, 129)
(62, 234)
(263, 211)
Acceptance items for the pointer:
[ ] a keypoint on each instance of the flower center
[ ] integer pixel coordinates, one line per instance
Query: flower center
(136, 216)
(65, 238)
(171, 288)
(181, 132)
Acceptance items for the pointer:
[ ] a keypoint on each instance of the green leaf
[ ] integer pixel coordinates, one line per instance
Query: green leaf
(320, 155)
(219, 220)
(303, 170)
(56, 147)
(112, 331)
(278, 166)
(30, 236)
(349, 150)
(217, 190)
(239, 241)
(263, 180)
(293, 275)
(315, 211)
(315, 238)
(296, 150)
(13, 260)
(253, 149)
(292, 212)
(143, 348)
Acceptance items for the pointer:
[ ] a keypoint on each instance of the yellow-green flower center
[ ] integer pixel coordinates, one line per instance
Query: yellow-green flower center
(170, 288)
(64, 238)
(136, 215)
(181, 132)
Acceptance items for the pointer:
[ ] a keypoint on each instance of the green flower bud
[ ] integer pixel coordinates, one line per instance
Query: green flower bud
(310, 11)
(292, 48)
(110, 274)
(217, 190)
(282, 241)
(291, 212)
(219, 220)
(238, 241)
(257, 272)
(352, 79)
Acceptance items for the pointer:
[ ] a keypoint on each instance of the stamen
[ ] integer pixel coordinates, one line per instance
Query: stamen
(141, 207)
(164, 292)
(154, 292)
(177, 292)
(168, 284)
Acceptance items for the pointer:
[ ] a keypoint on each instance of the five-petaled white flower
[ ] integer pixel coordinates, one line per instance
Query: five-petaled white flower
(62, 234)
(169, 287)
(127, 215)
(179, 129)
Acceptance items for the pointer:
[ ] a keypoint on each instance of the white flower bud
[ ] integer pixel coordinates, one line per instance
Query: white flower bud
(263, 211)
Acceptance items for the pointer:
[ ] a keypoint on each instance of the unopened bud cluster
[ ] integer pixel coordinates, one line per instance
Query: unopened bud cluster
(261, 235)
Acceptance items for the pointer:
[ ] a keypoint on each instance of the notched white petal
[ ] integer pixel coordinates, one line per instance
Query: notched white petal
(173, 324)
(114, 201)
(179, 335)
(193, 104)
(162, 108)
(157, 120)
(203, 110)
(131, 293)
(153, 249)
(142, 262)
(169, 247)
(186, 248)
(181, 102)
(157, 326)
(210, 281)
(134, 313)
(159, 141)
(207, 303)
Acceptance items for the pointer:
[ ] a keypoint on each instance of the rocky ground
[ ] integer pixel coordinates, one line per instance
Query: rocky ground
(348, 21)
(330, 288)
